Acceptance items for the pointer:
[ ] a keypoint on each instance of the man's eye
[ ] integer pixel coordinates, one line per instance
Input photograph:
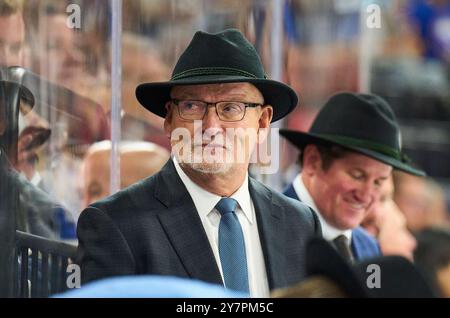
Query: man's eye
(191, 106)
(232, 108)
(379, 182)
(356, 175)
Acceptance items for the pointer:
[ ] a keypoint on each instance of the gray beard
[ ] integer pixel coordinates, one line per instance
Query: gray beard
(209, 168)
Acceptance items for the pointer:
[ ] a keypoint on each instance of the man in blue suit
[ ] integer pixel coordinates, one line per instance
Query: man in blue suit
(202, 217)
(349, 152)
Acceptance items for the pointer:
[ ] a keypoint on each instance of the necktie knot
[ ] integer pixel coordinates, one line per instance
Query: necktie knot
(226, 205)
(341, 240)
(342, 244)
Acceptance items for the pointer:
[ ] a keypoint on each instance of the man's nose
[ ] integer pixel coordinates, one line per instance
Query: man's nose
(366, 193)
(211, 120)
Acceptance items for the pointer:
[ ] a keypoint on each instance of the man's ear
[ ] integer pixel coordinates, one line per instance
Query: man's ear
(168, 119)
(266, 116)
(312, 161)
(264, 122)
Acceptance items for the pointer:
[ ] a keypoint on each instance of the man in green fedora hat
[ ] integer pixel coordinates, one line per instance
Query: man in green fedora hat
(347, 155)
(202, 216)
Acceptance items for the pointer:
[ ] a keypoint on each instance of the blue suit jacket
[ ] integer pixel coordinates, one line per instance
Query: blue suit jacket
(363, 244)
(154, 228)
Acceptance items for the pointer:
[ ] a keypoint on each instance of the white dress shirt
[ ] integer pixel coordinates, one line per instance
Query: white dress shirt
(329, 232)
(205, 203)
(36, 179)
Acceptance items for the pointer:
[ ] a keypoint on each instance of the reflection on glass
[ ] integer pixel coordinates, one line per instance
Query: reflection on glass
(68, 71)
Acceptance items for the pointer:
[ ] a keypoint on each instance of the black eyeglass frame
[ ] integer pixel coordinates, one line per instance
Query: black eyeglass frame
(246, 105)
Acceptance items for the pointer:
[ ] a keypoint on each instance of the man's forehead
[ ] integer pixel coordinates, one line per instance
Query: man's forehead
(237, 89)
(359, 160)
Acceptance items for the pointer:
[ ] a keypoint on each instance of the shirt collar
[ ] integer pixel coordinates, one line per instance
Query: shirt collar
(206, 201)
(329, 232)
(36, 179)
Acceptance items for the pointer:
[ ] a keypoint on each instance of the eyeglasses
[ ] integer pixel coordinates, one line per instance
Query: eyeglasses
(226, 111)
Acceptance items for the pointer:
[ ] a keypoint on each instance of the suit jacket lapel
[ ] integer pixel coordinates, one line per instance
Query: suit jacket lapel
(271, 232)
(184, 228)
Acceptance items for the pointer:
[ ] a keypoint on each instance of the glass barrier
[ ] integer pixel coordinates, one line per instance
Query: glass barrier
(72, 131)
(74, 147)
(59, 51)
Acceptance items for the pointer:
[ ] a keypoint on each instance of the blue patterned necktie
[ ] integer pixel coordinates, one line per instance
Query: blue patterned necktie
(232, 247)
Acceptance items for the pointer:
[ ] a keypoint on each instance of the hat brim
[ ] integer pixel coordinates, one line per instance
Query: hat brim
(154, 96)
(25, 96)
(301, 139)
(322, 259)
(39, 136)
(401, 278)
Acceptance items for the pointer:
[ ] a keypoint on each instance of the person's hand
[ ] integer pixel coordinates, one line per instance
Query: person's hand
(29, 141)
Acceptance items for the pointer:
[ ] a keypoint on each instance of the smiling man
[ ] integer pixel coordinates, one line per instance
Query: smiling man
(202, 216)
(346, 157)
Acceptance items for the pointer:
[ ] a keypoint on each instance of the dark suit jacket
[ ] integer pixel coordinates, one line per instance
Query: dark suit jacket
(363, 244)
(35, 210)
(153, 227)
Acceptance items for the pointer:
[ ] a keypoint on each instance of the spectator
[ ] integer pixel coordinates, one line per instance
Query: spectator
(199, 218)
(347, 156)
(138, 160)
(421, 200)
(432, 256)
(36, 212)
(12, 33)
(387, 223)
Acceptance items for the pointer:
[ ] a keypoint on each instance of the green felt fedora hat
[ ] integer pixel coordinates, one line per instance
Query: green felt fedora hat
(363, 123)
(224, 57)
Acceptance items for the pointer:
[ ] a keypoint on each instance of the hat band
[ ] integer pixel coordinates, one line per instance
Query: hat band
(203, 71)
(383, 149)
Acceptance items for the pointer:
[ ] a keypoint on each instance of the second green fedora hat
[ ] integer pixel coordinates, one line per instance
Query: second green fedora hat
(363, 123)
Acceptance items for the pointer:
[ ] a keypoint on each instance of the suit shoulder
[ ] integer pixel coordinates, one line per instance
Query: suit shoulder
(127, 199)
(290, 205)
(288, 202)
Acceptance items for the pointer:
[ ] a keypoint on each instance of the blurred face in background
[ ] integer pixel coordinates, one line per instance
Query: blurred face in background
(62, 57)
(12, 38)
(387, 223)
(96, 176)
(411, 197)
(134, 166)
(422, 201)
